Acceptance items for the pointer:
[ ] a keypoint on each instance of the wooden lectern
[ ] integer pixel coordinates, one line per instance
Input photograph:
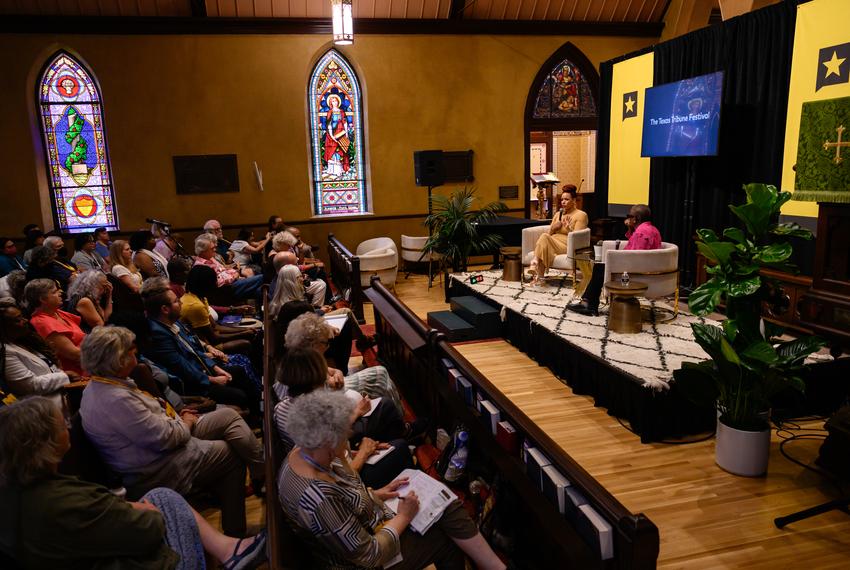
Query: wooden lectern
(545, 193)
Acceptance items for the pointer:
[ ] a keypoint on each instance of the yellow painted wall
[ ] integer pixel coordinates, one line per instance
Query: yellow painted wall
(176, 95)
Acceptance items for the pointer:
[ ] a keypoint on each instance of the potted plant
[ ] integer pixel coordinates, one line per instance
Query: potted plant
(747, 368)
(453, 229)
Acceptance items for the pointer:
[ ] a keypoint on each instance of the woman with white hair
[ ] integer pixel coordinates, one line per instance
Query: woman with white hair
(145, 441)
(350, 523)
(312, 331)
(63, 522)
(90, 297)
(296, 288)
(243, 287)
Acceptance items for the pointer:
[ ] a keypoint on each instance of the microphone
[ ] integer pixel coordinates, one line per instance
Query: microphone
(157, 222)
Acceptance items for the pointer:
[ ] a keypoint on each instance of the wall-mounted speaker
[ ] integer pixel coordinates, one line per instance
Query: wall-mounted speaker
(428, 168)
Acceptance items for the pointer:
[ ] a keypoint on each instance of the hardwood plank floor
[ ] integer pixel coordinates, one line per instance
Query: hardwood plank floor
(707, 518)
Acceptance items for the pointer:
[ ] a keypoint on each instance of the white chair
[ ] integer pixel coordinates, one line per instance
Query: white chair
(411, 252)
(378, 256)
(579, 239)
(658, 268)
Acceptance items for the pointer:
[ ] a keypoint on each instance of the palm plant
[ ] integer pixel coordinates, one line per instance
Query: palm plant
(747, 368)
(453, 228)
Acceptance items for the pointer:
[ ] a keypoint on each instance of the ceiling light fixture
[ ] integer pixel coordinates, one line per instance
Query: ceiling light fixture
(343, 22)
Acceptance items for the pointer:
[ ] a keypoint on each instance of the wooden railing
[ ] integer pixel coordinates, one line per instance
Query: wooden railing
(415, 353)
(345, 273)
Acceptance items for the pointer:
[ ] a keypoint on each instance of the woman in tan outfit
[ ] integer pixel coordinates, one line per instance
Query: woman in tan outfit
(554, 243)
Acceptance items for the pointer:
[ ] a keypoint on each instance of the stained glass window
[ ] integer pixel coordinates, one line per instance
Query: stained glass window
(564, 93)
(336, 131)
(72, 128)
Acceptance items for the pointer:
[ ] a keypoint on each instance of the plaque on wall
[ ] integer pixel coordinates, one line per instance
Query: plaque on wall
(206, 174)
(508, 192)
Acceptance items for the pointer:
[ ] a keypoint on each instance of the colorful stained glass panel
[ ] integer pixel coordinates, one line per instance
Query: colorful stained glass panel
(336, 134)
(564, 93)
(75, 146)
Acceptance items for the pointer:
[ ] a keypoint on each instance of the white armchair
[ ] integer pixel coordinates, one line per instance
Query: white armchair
(411, 252)
(576, 240)
(658, 268)
(378, 256)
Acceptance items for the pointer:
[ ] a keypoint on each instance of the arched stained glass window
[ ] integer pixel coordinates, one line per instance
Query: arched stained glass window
(564, 93)
(336, 132)
(81, 192)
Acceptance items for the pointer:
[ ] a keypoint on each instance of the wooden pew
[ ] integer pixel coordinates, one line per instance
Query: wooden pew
(284, 549)
(414, 354)
(345, 274)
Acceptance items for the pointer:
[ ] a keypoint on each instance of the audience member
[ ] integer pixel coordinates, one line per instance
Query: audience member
(60, 329)
(149, 262)
(86, 257)
(304, 371)
(554, 242)
(27, 363)
(63, 522)
(182, 353)
(312, 331)
(121, 259)
(243, 287)
(150, 445)
(34, 238)
(196, 312)
(351, 525)
(12, 285)
(245, 247)
(178, 272)
(289, 287)
(45, 265)
(9, 258)
(101, 242)
(90, 297)
(222, 246)
(302, 250)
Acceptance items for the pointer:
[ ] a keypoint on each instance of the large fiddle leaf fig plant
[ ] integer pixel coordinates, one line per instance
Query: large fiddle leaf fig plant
(747, 368)
(453, 228)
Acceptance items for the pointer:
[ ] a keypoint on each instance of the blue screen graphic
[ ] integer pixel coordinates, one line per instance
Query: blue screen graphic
(683, 118)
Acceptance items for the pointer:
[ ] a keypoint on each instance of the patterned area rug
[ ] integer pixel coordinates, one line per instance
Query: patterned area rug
(650, 356)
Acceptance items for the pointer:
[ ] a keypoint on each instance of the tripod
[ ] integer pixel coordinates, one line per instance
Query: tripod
(838, 504)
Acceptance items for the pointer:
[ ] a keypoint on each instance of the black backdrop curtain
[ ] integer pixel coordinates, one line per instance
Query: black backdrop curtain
(603, 138)
(754, 52)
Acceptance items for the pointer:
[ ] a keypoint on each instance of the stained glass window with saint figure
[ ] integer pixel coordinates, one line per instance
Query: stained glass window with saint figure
(336, 131)
(81, 193)
(564, 93)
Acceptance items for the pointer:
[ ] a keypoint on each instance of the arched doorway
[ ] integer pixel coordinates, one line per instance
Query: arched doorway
(560, 126)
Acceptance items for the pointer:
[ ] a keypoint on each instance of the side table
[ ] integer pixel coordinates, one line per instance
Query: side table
(624, 313)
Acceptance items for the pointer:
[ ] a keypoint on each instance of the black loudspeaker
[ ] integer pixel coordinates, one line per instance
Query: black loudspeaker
(428, 167)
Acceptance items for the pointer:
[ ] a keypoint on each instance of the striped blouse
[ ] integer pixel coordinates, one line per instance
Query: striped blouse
(343, 517)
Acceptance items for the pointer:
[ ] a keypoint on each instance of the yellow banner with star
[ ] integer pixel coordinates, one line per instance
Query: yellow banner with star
(628, 172)
(820, 70)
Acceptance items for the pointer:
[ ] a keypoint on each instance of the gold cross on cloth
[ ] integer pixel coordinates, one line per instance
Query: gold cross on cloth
(837, 145)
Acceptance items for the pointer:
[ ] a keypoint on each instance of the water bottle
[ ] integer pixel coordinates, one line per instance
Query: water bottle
(624, 280)
(457, 462)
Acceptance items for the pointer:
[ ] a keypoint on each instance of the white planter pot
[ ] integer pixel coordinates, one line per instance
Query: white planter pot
(742, 452)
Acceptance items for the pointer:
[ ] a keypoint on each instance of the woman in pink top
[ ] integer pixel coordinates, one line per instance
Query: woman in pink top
(61, 330)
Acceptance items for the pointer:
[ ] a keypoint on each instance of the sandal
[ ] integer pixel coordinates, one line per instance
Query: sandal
(251, 557)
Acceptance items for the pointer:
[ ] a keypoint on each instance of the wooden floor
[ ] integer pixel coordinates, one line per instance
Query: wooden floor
(707, 518)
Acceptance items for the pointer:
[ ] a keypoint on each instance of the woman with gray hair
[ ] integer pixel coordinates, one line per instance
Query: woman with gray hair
(46, 264)
(350, 523)
(63, 522)
(312, 331)
(90, 297)
(60, 329)
(150, 445)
